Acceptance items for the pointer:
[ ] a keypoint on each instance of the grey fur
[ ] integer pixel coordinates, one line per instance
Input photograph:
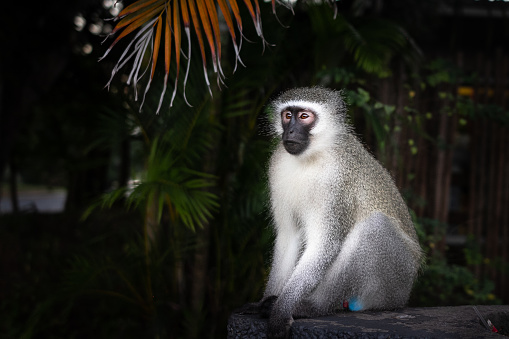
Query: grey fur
(343, 232)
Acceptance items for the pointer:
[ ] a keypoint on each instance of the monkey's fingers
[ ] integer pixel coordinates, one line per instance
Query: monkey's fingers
(250, 308)
(279, 327)
(266, 306)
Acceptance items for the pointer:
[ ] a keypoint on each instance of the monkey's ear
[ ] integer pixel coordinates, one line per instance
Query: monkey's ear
(273, 117)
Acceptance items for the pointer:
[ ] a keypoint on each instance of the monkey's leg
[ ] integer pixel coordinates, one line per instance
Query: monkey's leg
(375, 269)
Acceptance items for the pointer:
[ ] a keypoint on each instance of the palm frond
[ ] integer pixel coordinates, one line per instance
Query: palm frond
(369, 42)
(183, 192)
(373, 42)
(168, 182)
(152, 23)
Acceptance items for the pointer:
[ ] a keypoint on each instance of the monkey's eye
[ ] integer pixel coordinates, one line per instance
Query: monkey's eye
(287, 115)
(306, 117)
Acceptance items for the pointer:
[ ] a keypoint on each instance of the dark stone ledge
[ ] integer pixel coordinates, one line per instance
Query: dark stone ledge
(430, 322)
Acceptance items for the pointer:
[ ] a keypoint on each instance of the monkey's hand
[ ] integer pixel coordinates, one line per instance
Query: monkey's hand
(280, 319)
(263, 307)
(267, 304)
(250, 308)
(279, 326)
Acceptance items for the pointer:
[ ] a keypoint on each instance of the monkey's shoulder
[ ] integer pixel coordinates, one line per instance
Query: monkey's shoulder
(356, 158)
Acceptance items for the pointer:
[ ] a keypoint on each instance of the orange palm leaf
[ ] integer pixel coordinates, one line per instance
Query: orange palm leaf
(157, 42)
(197, 30)
(135, 7)
(146, 20)
(144, 12)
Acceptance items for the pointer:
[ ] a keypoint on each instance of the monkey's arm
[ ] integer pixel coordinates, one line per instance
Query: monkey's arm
(322, 246)
(286, 253)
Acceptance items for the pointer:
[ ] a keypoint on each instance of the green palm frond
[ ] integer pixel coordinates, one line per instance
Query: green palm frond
(181, 189)
(369, 42)
(185, 197)
(373, 41)
(161, 24)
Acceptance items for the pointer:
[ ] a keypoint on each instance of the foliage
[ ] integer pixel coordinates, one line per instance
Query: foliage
(371, 42)
(150, 18)
(376, 113)
(168, 181)
(450, 81)
(198, 207)
(441, 283)
(182, 153)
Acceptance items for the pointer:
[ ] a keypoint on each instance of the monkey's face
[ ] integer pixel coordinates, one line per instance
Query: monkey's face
(309, 120)
(297, 123)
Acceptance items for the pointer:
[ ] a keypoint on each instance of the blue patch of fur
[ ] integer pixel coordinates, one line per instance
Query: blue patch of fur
(354, 305)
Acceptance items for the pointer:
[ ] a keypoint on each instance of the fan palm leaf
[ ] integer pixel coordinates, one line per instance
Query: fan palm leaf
(152, 23)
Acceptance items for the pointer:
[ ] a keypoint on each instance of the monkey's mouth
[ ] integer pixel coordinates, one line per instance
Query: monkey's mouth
(294, 147)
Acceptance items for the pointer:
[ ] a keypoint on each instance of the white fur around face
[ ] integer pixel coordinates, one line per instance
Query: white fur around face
(326, 131)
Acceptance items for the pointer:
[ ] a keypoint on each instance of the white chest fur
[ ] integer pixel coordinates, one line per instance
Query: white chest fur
(296, 182)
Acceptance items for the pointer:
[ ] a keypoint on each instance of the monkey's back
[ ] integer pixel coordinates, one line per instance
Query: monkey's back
(370, 184)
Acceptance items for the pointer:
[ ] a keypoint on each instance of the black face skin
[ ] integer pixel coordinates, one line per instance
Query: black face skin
(297, 122)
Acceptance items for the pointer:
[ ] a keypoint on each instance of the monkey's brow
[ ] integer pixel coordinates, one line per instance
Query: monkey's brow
(296, 108)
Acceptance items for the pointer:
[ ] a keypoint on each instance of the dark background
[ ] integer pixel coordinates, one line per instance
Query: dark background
(433, 109)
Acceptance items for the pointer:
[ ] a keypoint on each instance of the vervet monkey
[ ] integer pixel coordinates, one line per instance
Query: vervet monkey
(343, 232)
